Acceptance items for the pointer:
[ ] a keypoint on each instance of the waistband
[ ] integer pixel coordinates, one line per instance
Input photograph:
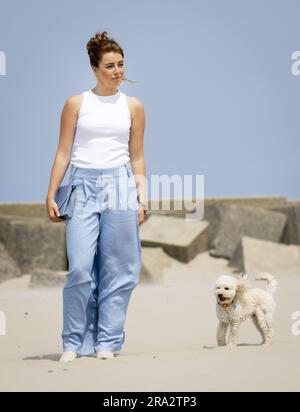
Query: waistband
(97, 172)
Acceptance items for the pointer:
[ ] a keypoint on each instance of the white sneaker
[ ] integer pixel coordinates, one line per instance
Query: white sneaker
(68, 356)
(104, 355)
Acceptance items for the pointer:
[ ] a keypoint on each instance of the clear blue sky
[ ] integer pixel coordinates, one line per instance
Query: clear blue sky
(214, 76)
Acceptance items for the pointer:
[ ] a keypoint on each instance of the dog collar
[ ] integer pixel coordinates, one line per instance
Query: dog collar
(226, 305)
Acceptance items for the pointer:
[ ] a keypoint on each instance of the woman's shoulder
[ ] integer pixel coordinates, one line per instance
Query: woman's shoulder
(134, 101)
(73, 103)
(135, 105)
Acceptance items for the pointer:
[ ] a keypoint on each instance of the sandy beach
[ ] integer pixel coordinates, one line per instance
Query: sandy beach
(170, 339)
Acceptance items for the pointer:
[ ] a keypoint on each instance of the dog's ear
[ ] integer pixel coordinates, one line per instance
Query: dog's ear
(243, 276)
(241, 286)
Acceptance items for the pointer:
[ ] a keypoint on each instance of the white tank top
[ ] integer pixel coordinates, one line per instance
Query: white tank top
(102, 131)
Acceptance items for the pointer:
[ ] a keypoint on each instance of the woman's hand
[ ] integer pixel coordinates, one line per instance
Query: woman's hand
(52, 210)
(141, 213)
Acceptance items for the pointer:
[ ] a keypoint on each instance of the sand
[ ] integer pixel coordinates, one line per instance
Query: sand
(170, 340)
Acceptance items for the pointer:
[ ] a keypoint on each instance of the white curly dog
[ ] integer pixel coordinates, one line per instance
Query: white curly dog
(236, 301)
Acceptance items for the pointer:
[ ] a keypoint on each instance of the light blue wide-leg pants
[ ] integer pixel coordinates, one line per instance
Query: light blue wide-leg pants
(104, 256)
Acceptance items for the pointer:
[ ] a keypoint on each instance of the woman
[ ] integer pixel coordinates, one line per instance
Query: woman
(102, 137)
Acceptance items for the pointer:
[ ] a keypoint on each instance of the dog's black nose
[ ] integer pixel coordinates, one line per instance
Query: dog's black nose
(220, 295)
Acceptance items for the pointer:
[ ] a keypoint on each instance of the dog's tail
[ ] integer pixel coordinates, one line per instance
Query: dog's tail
(272, 282)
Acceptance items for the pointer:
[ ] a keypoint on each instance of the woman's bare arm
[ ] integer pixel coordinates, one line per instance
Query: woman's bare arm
(136, 149)
(63, 154)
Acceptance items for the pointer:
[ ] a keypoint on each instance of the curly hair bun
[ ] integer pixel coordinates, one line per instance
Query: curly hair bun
(101, 36)
(97, 41)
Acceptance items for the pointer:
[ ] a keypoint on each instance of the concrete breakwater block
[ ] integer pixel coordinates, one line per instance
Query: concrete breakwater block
(179, 238)
(256, 256)
(180, 207)
(34, 242)
(8, 268)
(238, 221)
(41, 277)
(24, 209)
(213, 215)
(291, 235)
(154, 261)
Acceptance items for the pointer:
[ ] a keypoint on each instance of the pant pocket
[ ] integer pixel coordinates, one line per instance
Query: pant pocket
(80, 198)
